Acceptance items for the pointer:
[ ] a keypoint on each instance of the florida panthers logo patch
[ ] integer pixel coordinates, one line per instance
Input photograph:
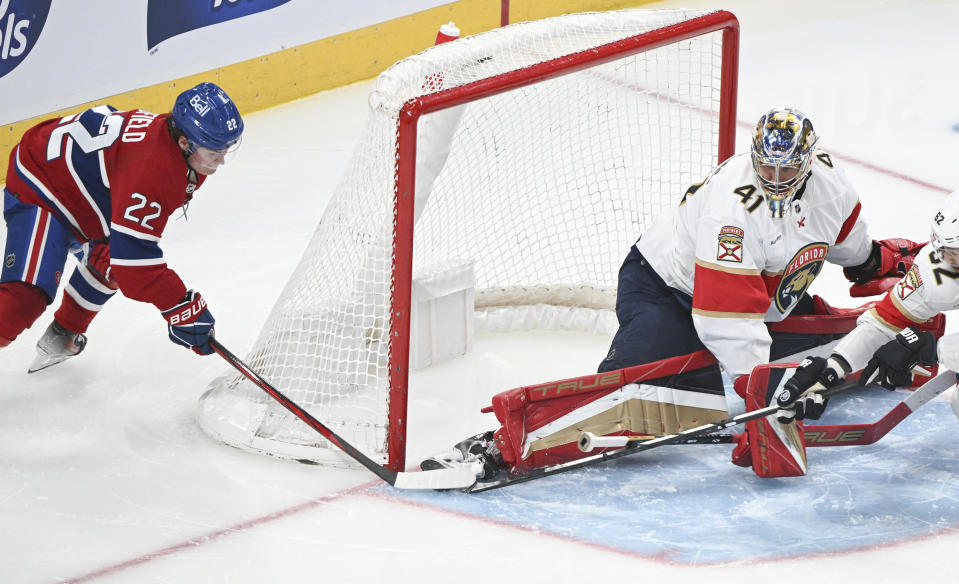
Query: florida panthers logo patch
(730, 244)
(799, 274)
(909, 284)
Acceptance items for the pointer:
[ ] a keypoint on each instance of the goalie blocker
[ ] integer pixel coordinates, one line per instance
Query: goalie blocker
(540, 424)
(775, 449)
(771, 448)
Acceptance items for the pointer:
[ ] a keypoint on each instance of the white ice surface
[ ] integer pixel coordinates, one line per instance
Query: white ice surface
(105, 477)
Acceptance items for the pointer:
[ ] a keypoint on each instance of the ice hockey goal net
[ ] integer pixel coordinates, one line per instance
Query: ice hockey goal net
(539, 152)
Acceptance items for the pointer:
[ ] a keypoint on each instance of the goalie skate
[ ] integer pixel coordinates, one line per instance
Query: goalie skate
(55, 346)
(479, 451)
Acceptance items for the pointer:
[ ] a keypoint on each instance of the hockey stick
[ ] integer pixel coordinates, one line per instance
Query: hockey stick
(815, 436)
(636, 447)
(589, 441)
(446, 478)
(862, 434)
(947, 378)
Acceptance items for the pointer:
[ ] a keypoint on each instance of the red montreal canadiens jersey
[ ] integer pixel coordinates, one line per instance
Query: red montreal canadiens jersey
(931, 286)
(105, 173)
(741, 266)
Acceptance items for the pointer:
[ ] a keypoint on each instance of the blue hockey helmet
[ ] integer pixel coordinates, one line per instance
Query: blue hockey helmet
(208, 118)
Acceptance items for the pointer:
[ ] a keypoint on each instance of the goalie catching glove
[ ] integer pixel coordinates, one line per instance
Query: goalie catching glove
(801, 397)
(888, 262)
(190, 323)
(892, 364)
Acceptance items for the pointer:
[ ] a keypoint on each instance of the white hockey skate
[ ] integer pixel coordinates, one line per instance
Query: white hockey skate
(55, 346)
(479, 451)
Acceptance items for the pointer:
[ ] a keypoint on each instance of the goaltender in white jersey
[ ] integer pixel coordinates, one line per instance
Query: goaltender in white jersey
(744, 266)
(740, 250)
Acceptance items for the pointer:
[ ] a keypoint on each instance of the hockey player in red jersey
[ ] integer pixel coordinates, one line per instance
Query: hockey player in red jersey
(101, 185)
(710, 283)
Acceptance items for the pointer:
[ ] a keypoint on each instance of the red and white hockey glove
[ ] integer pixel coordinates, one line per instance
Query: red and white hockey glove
(887, 264)
(95, 255)
(190, 323)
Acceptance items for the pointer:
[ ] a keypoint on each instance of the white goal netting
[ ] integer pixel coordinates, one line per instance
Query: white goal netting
(542, 186)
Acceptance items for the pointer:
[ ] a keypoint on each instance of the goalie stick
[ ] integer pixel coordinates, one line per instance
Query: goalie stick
(862, 434)
(926, 392)
(447, 478)
(815, 436)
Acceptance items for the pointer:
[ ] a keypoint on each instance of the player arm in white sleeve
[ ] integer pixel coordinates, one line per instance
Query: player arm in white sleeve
(915, 299)
(888, 340)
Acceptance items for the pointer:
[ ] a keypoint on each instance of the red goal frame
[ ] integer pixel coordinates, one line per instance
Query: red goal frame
(405, 178)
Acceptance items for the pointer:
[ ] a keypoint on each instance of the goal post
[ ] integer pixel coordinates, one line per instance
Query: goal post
(537, 153)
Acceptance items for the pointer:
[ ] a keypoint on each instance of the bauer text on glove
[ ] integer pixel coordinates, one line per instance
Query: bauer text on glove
(190, 323)
(892, 364)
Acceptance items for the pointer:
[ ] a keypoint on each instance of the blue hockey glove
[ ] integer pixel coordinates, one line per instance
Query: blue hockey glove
(190, 323)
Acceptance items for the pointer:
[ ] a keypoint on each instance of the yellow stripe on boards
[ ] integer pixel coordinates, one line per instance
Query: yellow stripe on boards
(297, 72)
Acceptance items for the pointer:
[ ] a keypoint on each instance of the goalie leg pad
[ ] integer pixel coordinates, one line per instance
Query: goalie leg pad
(541, 424)
(776, 450)
(508, 407)
(742, 453)
(772, 449)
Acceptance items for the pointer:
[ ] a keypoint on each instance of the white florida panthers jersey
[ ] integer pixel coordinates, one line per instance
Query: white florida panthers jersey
(931, 286)
(743, 267)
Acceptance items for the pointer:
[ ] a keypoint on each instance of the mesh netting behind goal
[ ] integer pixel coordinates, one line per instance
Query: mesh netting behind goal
(539, 152)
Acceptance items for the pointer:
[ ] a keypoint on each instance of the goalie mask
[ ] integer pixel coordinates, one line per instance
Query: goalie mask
(783, 145)
(944, 237)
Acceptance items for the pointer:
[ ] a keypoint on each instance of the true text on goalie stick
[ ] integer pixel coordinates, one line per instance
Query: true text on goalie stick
(929, 390)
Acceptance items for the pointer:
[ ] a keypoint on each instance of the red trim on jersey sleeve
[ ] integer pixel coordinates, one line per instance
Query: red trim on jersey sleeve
(887, 310)
(157, 284)
(849, 224)
(772, 282)
(727, 292)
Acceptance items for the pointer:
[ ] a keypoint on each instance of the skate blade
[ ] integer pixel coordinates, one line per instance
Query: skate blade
(43, 361)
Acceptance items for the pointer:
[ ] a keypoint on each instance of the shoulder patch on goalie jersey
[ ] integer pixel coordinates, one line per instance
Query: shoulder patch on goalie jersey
(730, 244)
(824, 158)
(800, 272)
